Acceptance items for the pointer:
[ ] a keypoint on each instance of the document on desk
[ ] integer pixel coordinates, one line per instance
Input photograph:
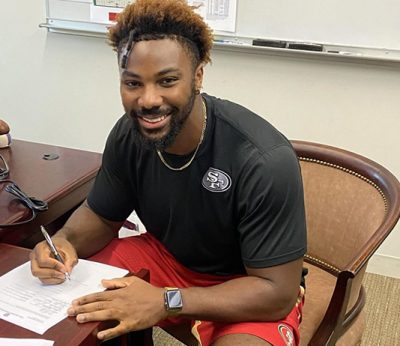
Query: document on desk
(28, 303)
(25, 342)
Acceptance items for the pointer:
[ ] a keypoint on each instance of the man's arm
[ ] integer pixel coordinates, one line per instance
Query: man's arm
(84, 234)
(87, 231)
(267, 294)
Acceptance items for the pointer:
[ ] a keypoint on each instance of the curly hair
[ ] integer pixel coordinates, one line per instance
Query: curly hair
(159, 19)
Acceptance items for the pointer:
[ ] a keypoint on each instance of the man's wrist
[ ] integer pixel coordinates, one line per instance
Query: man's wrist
(173, 302)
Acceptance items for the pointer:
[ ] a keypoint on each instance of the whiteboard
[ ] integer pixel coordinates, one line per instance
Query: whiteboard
(363, 23)
(368, 24)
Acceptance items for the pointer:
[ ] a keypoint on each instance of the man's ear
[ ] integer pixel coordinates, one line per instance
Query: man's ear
(198, 76)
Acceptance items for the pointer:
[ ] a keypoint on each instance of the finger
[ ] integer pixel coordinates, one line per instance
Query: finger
(47, 275)
(111, 333)
(70, 264)
(97, 315)
(51, 279)
(55, 266)
(44, 259)
(114, 283)
(54, 281)
(40, 253)
(85, 311)
(90, 298)
(120, 282)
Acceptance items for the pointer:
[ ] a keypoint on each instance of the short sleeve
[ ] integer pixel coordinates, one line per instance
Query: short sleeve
(112, 195)
(272, 227)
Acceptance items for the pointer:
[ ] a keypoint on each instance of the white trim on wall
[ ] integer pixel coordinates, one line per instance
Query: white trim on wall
(384, 265)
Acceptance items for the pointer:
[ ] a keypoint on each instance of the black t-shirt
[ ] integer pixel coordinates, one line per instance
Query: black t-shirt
(239, 203)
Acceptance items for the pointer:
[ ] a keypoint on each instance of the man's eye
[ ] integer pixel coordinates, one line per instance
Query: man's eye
(132, 84)
(168, 81)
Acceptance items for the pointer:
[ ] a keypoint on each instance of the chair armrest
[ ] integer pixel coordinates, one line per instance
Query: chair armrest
(337, 319)
(335, 313)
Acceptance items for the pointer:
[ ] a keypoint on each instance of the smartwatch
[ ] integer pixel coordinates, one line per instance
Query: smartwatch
(173, 300)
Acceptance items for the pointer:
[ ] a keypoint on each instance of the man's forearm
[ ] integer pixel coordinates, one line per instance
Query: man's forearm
(87, 232)
(266, 294)
(244, 299)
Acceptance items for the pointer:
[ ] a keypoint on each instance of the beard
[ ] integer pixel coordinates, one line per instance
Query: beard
(177, 116)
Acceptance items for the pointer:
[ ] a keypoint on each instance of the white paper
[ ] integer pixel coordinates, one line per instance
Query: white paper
(25, 342)
(102, 14)
(87, 1)
(113, 3)
(139, 227)
(28, 303)
(220, 15)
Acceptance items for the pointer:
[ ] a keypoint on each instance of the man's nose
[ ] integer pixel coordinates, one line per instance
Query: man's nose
(150, 98)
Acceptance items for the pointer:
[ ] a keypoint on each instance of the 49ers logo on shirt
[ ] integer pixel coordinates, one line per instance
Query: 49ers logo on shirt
(216, 180)
(286, 334)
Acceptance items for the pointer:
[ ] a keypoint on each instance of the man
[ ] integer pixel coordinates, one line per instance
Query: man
(217, 187)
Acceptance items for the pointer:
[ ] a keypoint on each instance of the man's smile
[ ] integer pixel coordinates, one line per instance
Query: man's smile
(151, 122)
(154, 120)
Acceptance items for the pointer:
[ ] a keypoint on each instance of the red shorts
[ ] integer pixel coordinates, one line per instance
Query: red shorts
(144, 251)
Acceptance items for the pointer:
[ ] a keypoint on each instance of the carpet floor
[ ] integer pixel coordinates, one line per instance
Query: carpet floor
(382, 311)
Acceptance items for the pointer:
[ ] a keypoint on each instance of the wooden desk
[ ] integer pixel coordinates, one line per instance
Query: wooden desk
(63, 183)
(67, 332)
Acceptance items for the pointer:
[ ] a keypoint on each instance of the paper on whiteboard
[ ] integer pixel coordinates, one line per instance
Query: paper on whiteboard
(104, 14)
(113, 3)
(220, 15)
(106, 11)
(28, 303)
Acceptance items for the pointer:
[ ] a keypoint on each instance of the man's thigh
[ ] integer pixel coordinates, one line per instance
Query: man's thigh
(240, 340)
(279, 333)
(182, 333)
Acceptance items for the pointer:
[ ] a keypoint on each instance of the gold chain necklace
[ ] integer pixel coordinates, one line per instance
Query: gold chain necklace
(187, 164)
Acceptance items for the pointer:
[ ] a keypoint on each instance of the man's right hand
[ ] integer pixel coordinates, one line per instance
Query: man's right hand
(46, 268)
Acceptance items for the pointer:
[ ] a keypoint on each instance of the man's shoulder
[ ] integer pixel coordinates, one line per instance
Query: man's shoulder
(121, 127)
(121, 134)
(120, 140)
(246, 125)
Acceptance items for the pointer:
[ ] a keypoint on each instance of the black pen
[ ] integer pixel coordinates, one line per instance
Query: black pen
(53, 249)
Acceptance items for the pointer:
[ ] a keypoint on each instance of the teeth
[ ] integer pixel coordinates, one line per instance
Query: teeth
(154, 120)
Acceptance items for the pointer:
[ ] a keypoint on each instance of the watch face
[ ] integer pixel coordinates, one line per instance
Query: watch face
(173, 299)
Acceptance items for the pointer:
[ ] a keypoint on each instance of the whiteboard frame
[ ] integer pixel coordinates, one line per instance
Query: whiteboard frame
(79, 25)
(233, 43)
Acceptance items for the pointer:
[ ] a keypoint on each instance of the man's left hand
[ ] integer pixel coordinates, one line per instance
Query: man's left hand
(132, 302)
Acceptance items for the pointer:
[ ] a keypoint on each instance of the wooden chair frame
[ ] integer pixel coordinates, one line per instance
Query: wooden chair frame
(336, 321)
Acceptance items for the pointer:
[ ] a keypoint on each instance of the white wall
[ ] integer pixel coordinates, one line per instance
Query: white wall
(63, 90)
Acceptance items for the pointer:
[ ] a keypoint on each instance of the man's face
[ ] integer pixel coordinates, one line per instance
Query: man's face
(158, 90)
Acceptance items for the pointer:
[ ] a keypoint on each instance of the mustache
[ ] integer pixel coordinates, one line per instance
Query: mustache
(151, 111)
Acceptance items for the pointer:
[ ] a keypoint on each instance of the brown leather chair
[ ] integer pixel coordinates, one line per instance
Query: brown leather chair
(352, 204)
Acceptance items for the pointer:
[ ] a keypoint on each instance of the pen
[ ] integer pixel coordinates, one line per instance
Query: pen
(53, 249)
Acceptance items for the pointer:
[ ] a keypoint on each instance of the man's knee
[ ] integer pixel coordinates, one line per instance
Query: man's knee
(240, 340)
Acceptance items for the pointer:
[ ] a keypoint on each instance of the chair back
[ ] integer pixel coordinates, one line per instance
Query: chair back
(352, 204)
